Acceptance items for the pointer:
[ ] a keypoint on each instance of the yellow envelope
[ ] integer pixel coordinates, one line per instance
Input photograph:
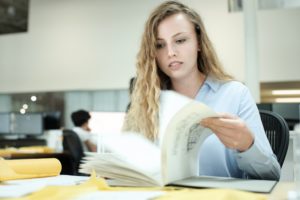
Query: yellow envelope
(69, 192)
(29, 168)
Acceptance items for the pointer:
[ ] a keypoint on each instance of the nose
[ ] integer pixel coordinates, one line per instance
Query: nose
(172, 50)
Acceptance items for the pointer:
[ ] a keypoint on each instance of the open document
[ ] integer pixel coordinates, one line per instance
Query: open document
(135, 161)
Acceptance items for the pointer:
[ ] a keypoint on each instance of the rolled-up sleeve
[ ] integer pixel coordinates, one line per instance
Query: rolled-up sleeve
(257, 164)
(259, 160)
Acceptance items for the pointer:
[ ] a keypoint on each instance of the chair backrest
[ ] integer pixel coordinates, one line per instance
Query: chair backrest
(277, 132)
(73, 146)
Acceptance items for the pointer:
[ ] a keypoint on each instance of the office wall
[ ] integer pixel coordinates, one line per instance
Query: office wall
(80, 45)
(279, 44)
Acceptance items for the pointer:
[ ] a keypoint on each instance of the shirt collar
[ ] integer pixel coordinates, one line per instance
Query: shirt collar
(212, 83)
(77, 128)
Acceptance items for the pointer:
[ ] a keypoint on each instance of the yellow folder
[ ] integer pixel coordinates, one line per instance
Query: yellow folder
(29, 168)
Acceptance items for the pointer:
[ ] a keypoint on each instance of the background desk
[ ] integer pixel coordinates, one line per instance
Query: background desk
(21, 142)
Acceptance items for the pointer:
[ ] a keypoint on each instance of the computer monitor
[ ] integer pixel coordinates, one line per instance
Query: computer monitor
(30, 124)
(106, 122)
(4, 123)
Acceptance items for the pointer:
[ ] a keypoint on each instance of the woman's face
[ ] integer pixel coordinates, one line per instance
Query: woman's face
(177, 47)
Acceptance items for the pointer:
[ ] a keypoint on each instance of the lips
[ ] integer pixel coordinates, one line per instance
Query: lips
(175, 64)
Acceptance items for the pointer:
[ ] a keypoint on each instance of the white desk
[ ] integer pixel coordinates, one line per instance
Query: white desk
(280, 192)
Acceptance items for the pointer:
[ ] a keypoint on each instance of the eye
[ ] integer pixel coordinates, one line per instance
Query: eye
(180, 41)
(160, 45)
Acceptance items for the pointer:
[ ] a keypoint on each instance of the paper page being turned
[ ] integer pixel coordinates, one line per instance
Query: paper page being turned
(130, 160)
(170, 103)
(182, 136)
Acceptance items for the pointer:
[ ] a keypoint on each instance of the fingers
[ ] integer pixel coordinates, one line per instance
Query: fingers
(231, 130)
(228, 135)
(230, 123)
(227, 116)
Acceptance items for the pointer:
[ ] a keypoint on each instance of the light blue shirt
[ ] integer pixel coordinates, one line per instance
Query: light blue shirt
(215, 159)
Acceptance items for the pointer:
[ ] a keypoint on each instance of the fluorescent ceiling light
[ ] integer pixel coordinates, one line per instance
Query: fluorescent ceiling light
(286, 92)
(287, 100)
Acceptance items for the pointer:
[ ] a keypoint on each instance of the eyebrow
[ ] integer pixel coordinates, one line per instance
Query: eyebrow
(173, 35)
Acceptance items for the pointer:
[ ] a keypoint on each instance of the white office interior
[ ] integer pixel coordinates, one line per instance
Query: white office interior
(85, 51)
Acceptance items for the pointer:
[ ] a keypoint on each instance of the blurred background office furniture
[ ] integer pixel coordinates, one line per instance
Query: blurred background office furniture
(25, 142)
(25, 135)
(52, 120)
(22, 130)
(289, 111)
(73, 147)
(277, 132)
(21, 125)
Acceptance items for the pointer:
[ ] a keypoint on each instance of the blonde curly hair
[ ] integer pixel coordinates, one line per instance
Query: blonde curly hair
(142, 117)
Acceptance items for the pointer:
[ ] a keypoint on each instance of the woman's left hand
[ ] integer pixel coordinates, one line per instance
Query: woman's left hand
(231, 130)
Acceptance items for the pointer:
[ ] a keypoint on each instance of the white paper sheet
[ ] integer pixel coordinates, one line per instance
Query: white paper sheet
(18, 188)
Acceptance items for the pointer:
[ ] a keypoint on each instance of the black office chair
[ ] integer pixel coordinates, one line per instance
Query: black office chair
(277, 132)
(72, 146)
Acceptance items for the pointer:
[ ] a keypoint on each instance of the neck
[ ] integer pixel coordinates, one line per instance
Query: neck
(189, 87)
(85, 126)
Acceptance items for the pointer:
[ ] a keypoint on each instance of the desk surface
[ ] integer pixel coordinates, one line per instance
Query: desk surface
(280, 192)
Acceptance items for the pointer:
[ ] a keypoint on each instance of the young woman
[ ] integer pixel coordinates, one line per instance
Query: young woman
(176, 54)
